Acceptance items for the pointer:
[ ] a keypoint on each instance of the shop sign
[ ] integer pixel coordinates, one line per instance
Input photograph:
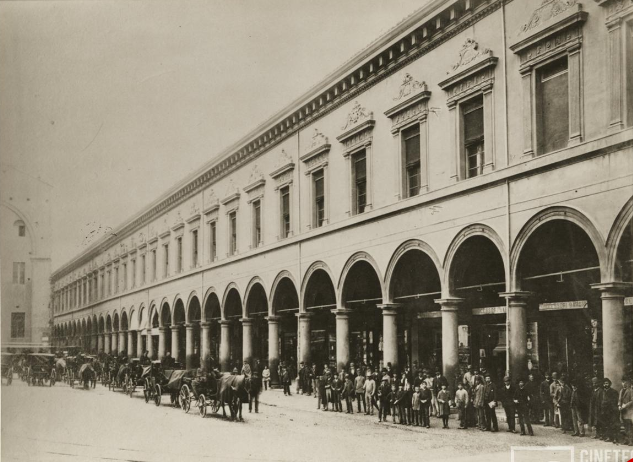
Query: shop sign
(430, 314)
(575, 305)
(489, 310)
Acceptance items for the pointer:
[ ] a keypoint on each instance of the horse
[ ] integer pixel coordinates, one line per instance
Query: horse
(233, 390)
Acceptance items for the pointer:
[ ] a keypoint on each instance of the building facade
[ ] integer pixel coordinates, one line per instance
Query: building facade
(459, 192)
(25, 260)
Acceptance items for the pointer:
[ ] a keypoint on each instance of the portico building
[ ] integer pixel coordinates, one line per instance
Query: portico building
(427, 203)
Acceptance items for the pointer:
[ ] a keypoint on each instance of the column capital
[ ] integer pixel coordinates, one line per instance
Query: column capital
(390, 309)
(204, 324)
(272, 319)
(225, 322)
(517, 295)
(613, 289)
(449, 304)
(304, 316)
(342, 312)
(162, 328)
(189, 326)
(247, 321)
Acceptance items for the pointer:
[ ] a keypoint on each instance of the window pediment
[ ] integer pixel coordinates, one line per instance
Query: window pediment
(473, 72)
(317, 154)
(413, 104)
(358, 128)
(555, 26)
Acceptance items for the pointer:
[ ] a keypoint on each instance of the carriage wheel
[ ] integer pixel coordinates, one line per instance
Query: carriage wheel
(184, 398)
(157, 395)
(215, 406)
(202, 406)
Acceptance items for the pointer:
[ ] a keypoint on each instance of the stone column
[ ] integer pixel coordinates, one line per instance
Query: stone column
(115, 342)
(99, 343)
(450, 345)
(225, 350)
(273, 349)
(517, 333)
(390, 334)
(123, 342)
(175, 341)
(247, 339)
(612, 295)
(189, 346)
(342, 338)
(150, 344)
(130, 344)
(139, 343)
(205, 346)
(94, 343)
(162, 342)
(106, 343)
(304, 337)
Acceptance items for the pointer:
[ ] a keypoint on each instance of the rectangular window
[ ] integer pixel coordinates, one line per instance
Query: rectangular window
(116, 280)
(552, 106)
(179, 255)
(154, 265)
(124, 276)
(166, 268)
(21, 230)
(109, 282)
(411, 157)
(17, 325)
(233, 233)
(213, 242)
(194, 248)
(102, 291)
(473, 132)
(133, 273)
(359, 182)
(318, 181)
(142, 269)
(257, 223)
(19, 272)
(285, 211)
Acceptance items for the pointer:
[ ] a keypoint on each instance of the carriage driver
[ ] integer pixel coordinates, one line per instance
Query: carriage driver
(198, 383)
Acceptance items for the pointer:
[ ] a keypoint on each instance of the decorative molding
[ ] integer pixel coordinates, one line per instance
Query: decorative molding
(409, 86)
(357, 115)
(193, 218)
(543, 14)
(232, 193)
(256, 182)
(414, 107)
(470, 53)
(212, 208)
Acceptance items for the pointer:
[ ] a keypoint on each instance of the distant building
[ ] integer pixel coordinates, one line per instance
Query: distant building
(25, 259)
(459, 192)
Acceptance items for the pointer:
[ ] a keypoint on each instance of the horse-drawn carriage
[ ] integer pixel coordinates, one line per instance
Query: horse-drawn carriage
(7, 367)
(41, 368)
(158, 381)
(134, 376)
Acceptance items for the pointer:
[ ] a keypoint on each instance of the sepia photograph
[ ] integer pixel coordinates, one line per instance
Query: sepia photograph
(328, 230)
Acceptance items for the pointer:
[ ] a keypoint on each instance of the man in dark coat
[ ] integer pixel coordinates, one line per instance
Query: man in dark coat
(522, 400)
(594, 407)
(384, 397)
(562, 400)
(490, 405)
(533, 389)
(609, 414)
(507, 393)
(546, 403)
(256, 387)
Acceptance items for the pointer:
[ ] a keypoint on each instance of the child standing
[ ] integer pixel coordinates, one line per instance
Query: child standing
(461, 401)
(425, 404)
(415, 405)
(443, 405)
(266, 377)
(348, 394)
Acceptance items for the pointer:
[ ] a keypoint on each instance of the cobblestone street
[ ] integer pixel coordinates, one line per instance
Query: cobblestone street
(60, 423)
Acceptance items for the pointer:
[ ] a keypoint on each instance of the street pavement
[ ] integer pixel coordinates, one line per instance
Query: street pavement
(65, 424)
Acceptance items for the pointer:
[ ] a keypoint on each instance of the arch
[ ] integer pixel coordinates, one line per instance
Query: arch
(133, 319)
(283, 280)
(547, 215)
(115, 322)
(108, 323)
(358, 257)
(619, 227)
(89, 328)
(164, 314)
(139, 322)
(193, 298)
(253, 285)
(124, 321)
(95, 324)
(177, 298)
(212, 308)
(101, 324)
(407, 246)
(178, 316)
(29, 227)
(231, 290)
(477, 229)
(193, 313)
(313, 268)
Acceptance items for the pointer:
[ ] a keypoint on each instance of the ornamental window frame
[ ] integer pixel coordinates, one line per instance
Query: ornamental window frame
(554, 30)
(283, 176)
(211, 219)
(472, 76)
(315, 160)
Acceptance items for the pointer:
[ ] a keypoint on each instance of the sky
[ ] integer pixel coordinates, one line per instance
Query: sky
(113, 102)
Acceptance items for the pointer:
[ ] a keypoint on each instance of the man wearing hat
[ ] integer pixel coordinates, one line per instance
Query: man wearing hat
(522, 400)
(562, 401)
(490, 405)
(384, 396)
(246, 369)
(594, 407)
(608, 419)
(508, 401)
(546, 402)
(625, 404)
(370, 390)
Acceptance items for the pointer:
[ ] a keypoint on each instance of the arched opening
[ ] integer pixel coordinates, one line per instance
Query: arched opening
(213, 315)
(89, 337)
(558, 263)
(257, 310)
(179, 342)
(477, 276)
(415, 284)
(361, 294)
(195, 316)
(285, 304)
(84, 335)
(624, 272)
(232, 313)
(165, 321)
(125, 348)
(319, 299)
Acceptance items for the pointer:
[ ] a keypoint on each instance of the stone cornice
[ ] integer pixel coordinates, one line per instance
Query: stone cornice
(254, 185)
(397, 48)
(324, 148)
(230, 198)
(283, 169)
(212, 208)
